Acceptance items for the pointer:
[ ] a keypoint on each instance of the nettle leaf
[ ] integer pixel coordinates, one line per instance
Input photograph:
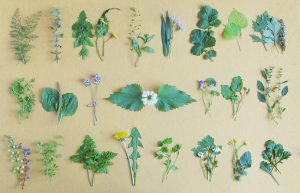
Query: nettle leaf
(208, 17)
(285, 90)
(261, 97)
(169, 98)
(201, 40)
(49, 99)
(238, 18)
(260, 86)
(128, 97)
(231, 31)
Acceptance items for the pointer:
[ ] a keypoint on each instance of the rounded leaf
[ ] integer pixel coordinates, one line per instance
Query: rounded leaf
(238, 18)
(49, 99)
(231, 31)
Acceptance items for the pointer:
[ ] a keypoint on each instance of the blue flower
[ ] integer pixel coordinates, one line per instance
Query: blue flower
(97, 79)
(87, 82)
(20, 146)
(26, 152)
(201, 84)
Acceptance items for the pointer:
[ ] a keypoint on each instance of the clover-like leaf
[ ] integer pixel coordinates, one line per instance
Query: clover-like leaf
(128, 97)
(201, 40)
(208, 17)
(169, 98)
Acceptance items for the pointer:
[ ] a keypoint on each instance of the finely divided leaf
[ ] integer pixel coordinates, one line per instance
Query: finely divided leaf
(169, 98)
(128, 97)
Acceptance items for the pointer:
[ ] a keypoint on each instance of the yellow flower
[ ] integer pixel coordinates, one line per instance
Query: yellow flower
(113, 35)
(121, 135)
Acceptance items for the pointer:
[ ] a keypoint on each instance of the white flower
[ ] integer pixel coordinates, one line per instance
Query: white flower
(216, 149)
(200, 154)
(149, 98)
(176, 20)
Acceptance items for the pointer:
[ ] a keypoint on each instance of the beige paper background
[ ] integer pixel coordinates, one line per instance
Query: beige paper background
(186, 125)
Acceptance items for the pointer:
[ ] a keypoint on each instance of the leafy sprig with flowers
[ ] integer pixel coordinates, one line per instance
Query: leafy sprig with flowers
(208, 92)
(96, 80)
(207, 152)
(167, 98)
(102, 30)
(138, 40)
(170, 25)
(240, 164)
(135, 143)
(169, 154)
(19, 156)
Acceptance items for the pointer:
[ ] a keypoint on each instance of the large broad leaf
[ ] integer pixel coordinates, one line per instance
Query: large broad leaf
(231, 31)
(236, 84)
(49, 99)
(238, 18)
(69, 104)
(246, 160)
(208, 17)
(226, 92)
(169, 98)
(201, 40)
(128, 98)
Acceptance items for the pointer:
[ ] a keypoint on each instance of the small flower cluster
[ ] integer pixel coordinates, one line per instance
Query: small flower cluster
(177, 24)
(96, 79)
(19, 155)
(149, 98)
(208, 92)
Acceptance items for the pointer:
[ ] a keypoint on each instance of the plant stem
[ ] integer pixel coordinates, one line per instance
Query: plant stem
(137, 60)
(97, 49)
(238, 43)
(103, 45)
(129, 163)
(274, 179)
(59, 104)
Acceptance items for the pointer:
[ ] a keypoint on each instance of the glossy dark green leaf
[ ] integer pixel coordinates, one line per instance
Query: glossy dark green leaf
(260, 86)
(49, 99)
(261, 97)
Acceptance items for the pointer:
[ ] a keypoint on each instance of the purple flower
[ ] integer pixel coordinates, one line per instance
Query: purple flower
(87, 82)
(201, 84)
(97, 79)
(214, 84)
(20, 146)
(26, 152)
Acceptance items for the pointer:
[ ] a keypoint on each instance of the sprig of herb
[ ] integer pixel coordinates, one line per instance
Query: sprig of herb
(168, 153)
(240, 164)
(169, 25)
(96, 79)
(19, 156)
(272, 31)
(63, 104)
(138, 40)
(102, 30)
(22, 34)
(207, 152)
(58, 35)
(203, 38)
(82, 32)
(273, 155)
(135, 143)
(94, 161)
(49, 153)
(272, 93)
(22, 90)
(235, 93)
(208, 92)
(236, 22)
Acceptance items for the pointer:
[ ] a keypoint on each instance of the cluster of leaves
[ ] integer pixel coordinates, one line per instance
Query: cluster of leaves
(235, 93)
(138, 40)
(58, 35)
(22, 34)
(272, 93)
(82, 32)
(169, 98)
(208, 92)
(236, 22)
(63, 104)
(22, 90)
(273, 155)
(271, 29)
(19, 156)
(102, 30)
(240, 164)
(207, 152)
(170, 154)
(203, 38)
(93, 160)
(50, 154)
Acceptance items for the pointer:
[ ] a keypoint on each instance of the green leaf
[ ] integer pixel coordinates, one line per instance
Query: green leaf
(174, 168)
(103, 23)
(236, 84)
(166, 34)
(270, 34)
(238, 18)
(69, 105)
(168, 141)
(260, 86)
(285, 90)
(148, 49)
(210, 81)
(255, 38)
(265, 167)
(208, 17)
(231, 31)
(128, 97)
(201, 40)
(246, 160)
(176, 148)
(169, 98)
(49, 99)
(210, 54)
(261, 97)
(136, 46)
(206, 142)
(226, 92)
